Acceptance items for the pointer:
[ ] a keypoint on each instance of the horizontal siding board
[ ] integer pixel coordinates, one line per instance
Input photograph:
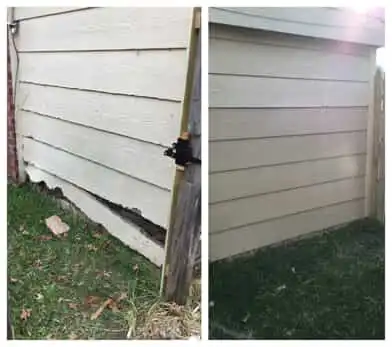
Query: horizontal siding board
(248, 17)
(159, 74)
(240, 154)
(251, 237)
(256, 37)
(247, 58)
(138, 159)
(32, 12)
(149, 120)
(129, 234)
(255, 209)
(107, 29)
(316, 16)
(244, 91)
(230, 185)
(153, 202)
(227, 124)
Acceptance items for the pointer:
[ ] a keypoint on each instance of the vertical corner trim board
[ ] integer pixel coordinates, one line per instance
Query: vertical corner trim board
(129, 234)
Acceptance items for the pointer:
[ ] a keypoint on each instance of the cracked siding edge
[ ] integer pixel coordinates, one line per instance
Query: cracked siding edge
(130, 235)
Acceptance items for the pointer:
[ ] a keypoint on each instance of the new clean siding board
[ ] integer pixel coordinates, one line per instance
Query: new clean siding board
(245, 91)
(246, 123)
(243, 154)
(288, 136)
(99, 96)
(249, 237)
(267, 179)
(318, 22)
(255, 209)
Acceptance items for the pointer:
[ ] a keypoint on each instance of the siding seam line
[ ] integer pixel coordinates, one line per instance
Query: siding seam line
(100, 91)
(155, 144)
(251, 41)
(282, 77)
(23, 19)
(147, 49)
(287, 136)
(97, 163)
(217, 232)
(288, 163)
(287, 189)
(337, 26)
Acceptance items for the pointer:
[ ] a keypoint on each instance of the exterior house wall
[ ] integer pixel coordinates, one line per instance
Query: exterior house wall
(333, 23)
(288, 123)
(99, 97)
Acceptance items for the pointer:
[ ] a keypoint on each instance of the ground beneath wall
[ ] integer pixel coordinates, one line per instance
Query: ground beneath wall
(328, 286)
(56, 284)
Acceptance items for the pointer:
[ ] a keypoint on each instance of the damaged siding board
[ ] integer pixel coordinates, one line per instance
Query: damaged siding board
(103, 148)
(108, 29)
(149, 120)
(127, 233)
(100, 94)
(153, 202)
(247, 238)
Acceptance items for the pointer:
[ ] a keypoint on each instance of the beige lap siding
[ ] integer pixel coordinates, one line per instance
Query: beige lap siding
(100, 92)
(287, 125)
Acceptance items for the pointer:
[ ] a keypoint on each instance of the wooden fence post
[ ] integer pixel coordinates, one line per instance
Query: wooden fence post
(183, 237)
(370, 179)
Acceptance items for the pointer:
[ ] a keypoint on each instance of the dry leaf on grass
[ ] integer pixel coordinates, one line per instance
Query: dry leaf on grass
(115, 305)
(14, 280)
(104, 274)
(102, 308)
(92, 300)
(135, 267)
(38, 264)
(167, 321)
(97, 235)
(61, 278)
(106, 244)
(45, 237)
(73, 306)
(121, 297)
(91, 247)
(25, 313)
(56, 225)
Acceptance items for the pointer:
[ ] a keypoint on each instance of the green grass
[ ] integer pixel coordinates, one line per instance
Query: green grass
(327, 286)
(54, 278)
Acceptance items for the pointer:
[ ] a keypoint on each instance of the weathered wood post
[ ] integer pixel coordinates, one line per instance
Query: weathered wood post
(183, 237)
